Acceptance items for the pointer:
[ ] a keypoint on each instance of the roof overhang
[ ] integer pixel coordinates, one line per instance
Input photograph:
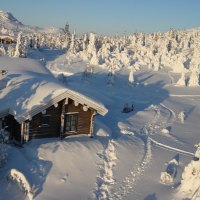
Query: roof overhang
(75, 96)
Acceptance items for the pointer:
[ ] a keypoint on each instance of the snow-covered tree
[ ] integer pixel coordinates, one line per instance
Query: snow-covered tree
(194, 79)
(89, 69)
(2, 50)
(190, 183)
(131, 75)
(181, 116)
(85, 42)
(72, 47)
(18, 48)
(11, 50)
(181, 81)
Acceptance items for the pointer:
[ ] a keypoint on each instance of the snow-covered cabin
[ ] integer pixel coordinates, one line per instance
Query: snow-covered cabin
(33, 104)
(7, 39)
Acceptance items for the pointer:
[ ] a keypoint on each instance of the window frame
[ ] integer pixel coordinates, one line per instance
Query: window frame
(42, 120)
(70, 121)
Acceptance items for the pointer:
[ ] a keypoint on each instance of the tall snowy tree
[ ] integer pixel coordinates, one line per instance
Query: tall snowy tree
(181, 81)
(131, 75)
(194, 79)
(18, 48)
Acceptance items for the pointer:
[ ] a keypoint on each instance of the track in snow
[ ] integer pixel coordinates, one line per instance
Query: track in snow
(171, 148)
(149, 128)
(130, 181)
(105, 178)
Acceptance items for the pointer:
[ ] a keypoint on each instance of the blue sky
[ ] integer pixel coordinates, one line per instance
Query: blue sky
(107, 16)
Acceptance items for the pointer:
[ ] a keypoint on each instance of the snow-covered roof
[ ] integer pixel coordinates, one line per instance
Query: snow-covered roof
(2, 36)
(28, 88)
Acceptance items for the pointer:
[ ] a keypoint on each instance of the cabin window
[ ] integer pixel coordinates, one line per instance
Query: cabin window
(45, 120)
(71, 122)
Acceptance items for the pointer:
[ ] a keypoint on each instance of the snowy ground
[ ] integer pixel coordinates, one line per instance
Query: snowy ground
(129, 151)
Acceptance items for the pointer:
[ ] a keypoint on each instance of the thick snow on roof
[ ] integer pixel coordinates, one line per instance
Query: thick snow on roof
(7, 36)
(28, 88)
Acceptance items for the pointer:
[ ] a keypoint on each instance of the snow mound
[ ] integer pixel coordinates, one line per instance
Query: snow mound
(166, 178)
(170, 173)
(190, 184)
(18, 178)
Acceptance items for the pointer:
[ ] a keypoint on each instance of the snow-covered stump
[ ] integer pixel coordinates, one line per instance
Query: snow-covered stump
(20, 180)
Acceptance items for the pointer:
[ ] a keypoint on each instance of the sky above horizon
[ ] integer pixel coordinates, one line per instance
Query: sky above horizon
(107, 16)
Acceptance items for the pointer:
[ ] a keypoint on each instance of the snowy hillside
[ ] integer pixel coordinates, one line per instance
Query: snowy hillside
(8, 23)
(130, 151)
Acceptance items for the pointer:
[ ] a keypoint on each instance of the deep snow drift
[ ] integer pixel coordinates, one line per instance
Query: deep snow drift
(129, 151)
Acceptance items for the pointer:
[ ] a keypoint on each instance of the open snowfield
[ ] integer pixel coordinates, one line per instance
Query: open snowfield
(129, 152)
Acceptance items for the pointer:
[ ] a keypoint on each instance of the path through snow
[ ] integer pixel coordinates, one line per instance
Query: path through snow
(105, 179)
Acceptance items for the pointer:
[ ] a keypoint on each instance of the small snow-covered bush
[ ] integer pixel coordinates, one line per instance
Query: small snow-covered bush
(166, 178)
(18, 178)
(181, 116)
(170, 173)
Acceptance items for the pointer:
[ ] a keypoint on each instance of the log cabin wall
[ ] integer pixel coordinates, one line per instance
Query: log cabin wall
(39, 130)
(53, 129)
(84, 117)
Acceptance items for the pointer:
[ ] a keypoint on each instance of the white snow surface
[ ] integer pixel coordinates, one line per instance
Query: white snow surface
(30, 85)
(129, 151)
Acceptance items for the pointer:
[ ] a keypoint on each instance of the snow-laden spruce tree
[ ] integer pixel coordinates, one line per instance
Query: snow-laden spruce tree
(18, 48)
(194, 79)
(11, 50)
(72, 48)
(112, 64)
(91, 49)
(181, 81)
(84, 42)
(2, 50)
(190, 183)
(24, 50)
(131, 75)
